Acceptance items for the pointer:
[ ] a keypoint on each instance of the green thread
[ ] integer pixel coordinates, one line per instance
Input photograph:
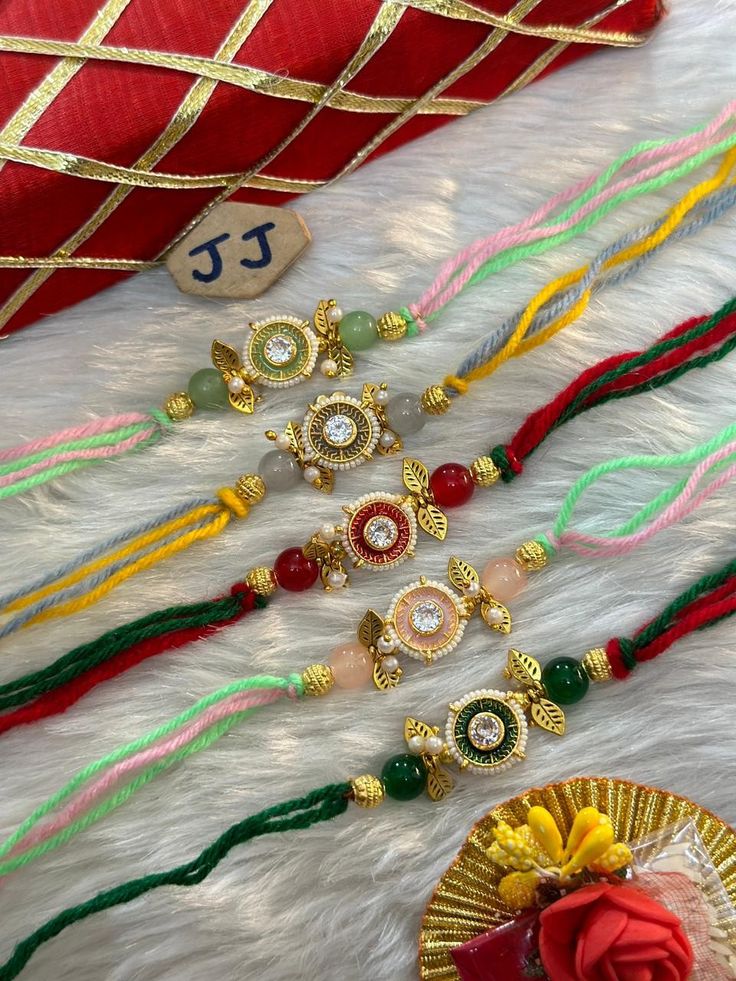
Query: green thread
(509, 256)
(627, 648)
(297, 814)
(549, 549)
(90, 443)
(412, 329)
(247, 684)
(500, 458)
(694, 455)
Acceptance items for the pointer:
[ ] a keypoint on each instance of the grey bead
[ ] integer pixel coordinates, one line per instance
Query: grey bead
(405, 414)
(279, 470)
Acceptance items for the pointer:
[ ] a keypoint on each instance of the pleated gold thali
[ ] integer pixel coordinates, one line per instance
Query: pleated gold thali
(465, 902)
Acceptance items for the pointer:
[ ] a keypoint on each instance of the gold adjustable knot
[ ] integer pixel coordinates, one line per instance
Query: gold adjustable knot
(251, 488)
(484, 471)
(179, 406)
(597, 666)
(317, 679)
(435, 401)
(233, 502)
(261, 580)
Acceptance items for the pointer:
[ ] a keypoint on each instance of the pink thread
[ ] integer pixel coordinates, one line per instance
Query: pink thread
(78, 432)
(116, 449)
(684, 504)
(227, 707)
(445, 287)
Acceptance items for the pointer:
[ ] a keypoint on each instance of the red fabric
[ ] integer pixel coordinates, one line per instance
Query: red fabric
(114, 112)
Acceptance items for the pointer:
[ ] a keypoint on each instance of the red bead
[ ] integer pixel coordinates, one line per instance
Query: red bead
(294, 571)
(451, 485)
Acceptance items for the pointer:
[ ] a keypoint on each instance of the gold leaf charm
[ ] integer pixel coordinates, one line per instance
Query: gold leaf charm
(524, 668)
(439, 782)
(416, 477)
(329, 339)
(548, 716)
(496, 616)
(432, 520)
(383, 680)
(227, 361)
(415, 727)
(293, 433)
(461, 573)
(370, 629)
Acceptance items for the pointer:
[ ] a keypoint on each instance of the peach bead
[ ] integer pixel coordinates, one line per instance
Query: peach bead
(504, 579)
(352, 665)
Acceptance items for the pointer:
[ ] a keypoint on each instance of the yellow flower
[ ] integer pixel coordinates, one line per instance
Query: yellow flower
(518, 889)
(616, 857)
(585, 820)
(513, 847)
(595, 844)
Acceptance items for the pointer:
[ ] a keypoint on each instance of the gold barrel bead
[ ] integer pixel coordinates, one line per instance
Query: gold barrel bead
(391, 326)
(179, 406)
(367, 791)
(251, 488)
(261, 580)
(435, 401)
(484, 471)
(597, 666)
(531, 556)
(318, 679)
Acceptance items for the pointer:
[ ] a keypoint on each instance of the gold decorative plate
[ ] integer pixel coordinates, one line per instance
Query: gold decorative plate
(465, 902)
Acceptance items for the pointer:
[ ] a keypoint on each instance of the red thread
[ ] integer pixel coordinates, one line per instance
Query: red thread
(618, 668)
(701, 617)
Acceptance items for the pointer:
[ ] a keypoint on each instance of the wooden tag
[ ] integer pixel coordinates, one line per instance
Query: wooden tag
(238, 250)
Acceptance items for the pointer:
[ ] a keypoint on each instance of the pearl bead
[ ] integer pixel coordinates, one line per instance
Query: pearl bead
(472, 589)
(405, 414)
(416, 745)
(351, 665)
(282, 442)
(381, 396)
(334, 314)
(236, 384)
(384, 645)
(336, 579)
(328, 368)
(494, 615)
(387, 438)
(504, 579)
(279, 470)
(390, 663)
(327, 533)
(433, 745)
(311, 474)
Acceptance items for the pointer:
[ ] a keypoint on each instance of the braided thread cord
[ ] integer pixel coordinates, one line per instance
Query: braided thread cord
(520, 340)
(622, 375)
(587, 203)
(298, 814)
(710, 599)
(24, 467)
(80, 583)
(664, 510)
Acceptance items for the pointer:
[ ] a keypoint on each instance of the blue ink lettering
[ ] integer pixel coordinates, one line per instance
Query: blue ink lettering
(211, 249)
(259, 233)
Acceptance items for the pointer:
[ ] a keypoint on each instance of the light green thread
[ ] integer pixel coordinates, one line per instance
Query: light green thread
(509, 256)
(294, 681)
(90, 443)
(694, 455)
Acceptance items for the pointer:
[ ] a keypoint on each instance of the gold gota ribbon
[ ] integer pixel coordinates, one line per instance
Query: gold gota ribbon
(210, 72)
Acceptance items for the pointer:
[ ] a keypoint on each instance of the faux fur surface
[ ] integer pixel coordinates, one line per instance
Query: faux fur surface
(344, 901)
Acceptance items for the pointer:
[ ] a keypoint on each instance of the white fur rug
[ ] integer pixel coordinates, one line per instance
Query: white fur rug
(344, 900)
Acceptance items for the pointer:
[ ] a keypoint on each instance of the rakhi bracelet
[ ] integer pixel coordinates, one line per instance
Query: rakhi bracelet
(443, 610)
(281, 345)
(695, 343)
(485, 731)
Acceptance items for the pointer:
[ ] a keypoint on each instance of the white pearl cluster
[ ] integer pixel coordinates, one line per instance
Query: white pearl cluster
(450, 731)
(432, 745)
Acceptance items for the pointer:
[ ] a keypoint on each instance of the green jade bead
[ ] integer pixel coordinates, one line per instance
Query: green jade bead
(207, 389)
(404, 777)
(358, 330)
(565, 680)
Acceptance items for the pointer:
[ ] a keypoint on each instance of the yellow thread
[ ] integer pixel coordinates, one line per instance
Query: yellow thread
(459, 384)
(232, 502)
(518, 345)
(141, 541)
(166, 551)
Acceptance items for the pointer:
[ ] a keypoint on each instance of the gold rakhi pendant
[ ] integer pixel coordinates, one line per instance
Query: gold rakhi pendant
(426, 620)
(486, 730)
(282, 351)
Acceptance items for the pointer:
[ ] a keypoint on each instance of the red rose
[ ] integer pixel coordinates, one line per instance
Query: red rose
(606, 932)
